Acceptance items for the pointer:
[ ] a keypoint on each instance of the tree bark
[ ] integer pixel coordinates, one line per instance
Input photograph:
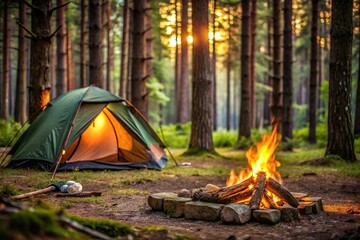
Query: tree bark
(245, 118)
(252, 65)
(20, 102)
(214, 69)
(276, 78)
(177, 64)
(228, 74)
(96, 76)
(39, 56)
(130, 53)
(340, 129)
(287, 123)
(109, 48)
(267, 99)
(83, 78)
(259, 190)
(357, 106)
(124, 47)
(69, 63)
(313, 72)
(61, 51)
(6, 52)
(202, 119)
(183, 107)
(138, 75)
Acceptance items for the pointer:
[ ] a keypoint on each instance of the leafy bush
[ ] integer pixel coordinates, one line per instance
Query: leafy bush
(8, 130)
(224, 139)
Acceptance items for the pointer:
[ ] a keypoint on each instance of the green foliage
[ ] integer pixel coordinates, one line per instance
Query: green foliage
(108, 227)
(176, 135)
(243, 143)
(156, 229)
(300, 113)
(224, 139)
(8, 190)
(37, 222)
(200, 152)
(8, 130)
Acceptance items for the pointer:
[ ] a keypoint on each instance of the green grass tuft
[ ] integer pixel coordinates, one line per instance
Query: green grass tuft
(200, 152)
(8, 190)
(108, 227)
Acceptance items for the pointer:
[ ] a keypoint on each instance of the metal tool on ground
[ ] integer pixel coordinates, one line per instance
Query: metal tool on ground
(53, 187)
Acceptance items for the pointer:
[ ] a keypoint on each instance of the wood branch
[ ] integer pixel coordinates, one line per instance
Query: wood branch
(145, 77)
(26, 29)
(29, 37)
(30, 5)
(259, 189)
(224, 194)
(80, 194)
(56, 8)
(30, 194)
(146, 30)
(269, 201)
(83, 229)
(281, 192)
(147, 9)
(53, 34)
(147, 58)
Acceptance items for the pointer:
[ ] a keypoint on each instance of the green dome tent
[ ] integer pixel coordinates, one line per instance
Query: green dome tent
(89, 128)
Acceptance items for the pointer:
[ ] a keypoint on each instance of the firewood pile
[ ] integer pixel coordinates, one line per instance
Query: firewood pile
(258, 194)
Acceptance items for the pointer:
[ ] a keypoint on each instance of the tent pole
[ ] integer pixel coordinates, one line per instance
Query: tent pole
(166, 146)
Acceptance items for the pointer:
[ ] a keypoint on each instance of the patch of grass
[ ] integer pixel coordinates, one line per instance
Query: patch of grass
(193, 171)
(8, 190)
(156, 229)
(183, 237)
(200, 152)
(127, 191)
(108, 227)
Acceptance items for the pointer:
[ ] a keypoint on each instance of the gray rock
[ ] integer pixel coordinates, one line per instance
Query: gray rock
(236, 213)
(289, 214)
(267, 216)
(184, 193)
(155, 200)
(202, 211)
(175, 207)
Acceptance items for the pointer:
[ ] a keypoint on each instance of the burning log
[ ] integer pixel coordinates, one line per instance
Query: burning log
(280, 191)
(269, 201)
(230, 194)
(259, 190)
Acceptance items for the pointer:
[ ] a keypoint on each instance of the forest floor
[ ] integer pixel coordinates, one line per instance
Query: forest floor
(124, 198)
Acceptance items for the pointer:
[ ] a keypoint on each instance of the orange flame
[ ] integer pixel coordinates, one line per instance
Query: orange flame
(261, 158)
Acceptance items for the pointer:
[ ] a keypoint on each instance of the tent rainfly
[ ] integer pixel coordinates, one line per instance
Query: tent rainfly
(89, 128)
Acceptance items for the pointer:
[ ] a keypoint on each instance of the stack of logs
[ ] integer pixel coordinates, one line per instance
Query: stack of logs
(258, 193)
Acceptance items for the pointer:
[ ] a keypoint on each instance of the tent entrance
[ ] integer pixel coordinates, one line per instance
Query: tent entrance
(106, 140)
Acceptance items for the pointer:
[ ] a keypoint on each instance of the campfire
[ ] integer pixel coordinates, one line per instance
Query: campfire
(256, 193)
(259, 185)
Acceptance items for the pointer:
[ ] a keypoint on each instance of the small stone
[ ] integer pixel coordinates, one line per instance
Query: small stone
(236, 213)
(175, 206)
(289, 214)
(306, 208)
(318, 201)
(267, 216)
(156, 200)
(184, 193)
(202, 211)
(299, 195)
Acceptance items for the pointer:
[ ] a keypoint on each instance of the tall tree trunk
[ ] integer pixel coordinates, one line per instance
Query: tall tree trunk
(202, 119)
(228, 74)
(267, 99)
(69, 63)
(6, 73)
(130, 54)
(39, 56)
(139, 78)
(177, 64)
(61, 51)
(148, 48)
(313, 72)
(357, 107)
(340, 129)
(252, 66)
(124, 47)
(96, 75)
(20, 102)
(108, 45)
(244, 124)
(276, 78)
(214, 69)
(83, 81)
(287, 123)
(183, 107)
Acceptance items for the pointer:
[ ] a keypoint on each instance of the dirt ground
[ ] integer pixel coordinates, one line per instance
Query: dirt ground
(340, 220)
